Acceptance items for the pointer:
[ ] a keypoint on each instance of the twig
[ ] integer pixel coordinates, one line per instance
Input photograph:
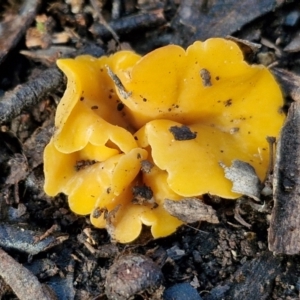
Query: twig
(130, 23)
(29, 94)
(13, 29)
(24, 284)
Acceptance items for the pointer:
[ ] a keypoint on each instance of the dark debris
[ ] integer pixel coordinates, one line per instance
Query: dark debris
(182, 133)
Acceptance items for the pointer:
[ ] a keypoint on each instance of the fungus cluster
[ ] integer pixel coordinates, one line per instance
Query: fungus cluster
(131, 131)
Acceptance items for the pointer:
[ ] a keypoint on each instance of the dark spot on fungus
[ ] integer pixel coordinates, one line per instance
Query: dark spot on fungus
(81, 98)
(144, 99)
(205, 76)
(280, 110)
(96, 213)
(143, 195)
(217, 78)
(234, 130)
(228, 102)
(120, 106)
(146, 166)
(94, 107)
(136, 138)
(108, 190)
(99, 211)
(182, 133)
(139, 156)
(82, 164)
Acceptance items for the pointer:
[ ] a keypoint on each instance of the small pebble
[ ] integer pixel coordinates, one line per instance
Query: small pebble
(181, 291)
(292, 18)
(130, 275)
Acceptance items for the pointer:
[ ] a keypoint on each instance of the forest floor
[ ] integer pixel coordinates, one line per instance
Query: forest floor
(48, 252)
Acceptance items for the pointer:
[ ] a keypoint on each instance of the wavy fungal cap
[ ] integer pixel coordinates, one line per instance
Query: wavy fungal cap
(132, 131)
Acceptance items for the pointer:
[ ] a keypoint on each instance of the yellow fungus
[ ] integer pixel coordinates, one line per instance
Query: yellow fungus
(182, 111)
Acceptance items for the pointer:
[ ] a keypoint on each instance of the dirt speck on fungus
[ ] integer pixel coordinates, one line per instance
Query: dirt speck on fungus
(206, 78)
(182, 133)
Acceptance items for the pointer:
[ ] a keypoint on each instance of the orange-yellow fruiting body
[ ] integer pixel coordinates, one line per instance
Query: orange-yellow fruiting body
(103, 135)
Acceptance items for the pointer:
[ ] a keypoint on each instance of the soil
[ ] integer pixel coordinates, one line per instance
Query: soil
(47, 252)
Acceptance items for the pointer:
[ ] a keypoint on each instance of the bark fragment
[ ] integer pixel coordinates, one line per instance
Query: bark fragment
(284, 231)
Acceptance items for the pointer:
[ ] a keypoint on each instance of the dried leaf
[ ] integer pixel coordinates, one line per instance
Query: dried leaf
(293, 45)
(289, 81)
(244, 179)
(25, 240)
(199, 20)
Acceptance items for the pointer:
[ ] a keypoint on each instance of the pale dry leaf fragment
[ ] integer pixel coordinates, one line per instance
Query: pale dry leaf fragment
(244, 179)
(190, 210)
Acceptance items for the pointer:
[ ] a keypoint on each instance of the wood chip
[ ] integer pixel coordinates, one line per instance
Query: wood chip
(130, 275)
(191, 210)
(284, 231)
